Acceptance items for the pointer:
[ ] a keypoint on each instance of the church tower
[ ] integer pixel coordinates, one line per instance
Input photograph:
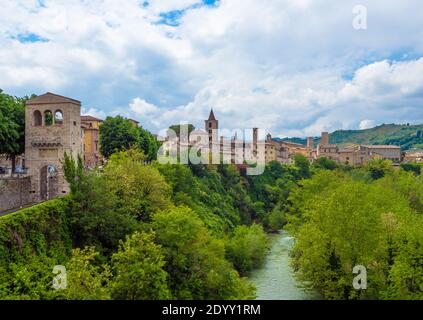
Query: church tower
(211, 127)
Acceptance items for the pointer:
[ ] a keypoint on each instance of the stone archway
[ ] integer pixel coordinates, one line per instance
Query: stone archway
(48, 182)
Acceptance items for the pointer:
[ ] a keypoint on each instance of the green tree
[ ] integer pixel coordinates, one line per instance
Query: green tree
(12, 126)
(325, 163)
(95, 213)
(139, 270)
(303, 165)
(139, 190)
(195, 260)
(74, 172)
(117, 134)
(148, 144)
(378, 168)
(277, 219)
(345, 223)
(177, 129)
(416, 168)
(86, 280)
(248, 247)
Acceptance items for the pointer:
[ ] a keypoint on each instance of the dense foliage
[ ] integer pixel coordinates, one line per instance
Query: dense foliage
(370, 216)
(12, 126)
(118, 134)
(137, 231)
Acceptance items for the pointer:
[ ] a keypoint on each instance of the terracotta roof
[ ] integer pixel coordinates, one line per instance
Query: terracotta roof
(90, 118)
(133, 120)
(51, 98)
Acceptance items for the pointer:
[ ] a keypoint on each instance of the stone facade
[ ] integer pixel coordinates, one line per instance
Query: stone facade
(353, 154)
(52, 127)
(413, 156)
(14, 193)
(91, 138)
(284, 151)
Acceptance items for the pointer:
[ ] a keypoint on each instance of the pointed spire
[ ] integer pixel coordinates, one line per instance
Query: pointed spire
(211, 116)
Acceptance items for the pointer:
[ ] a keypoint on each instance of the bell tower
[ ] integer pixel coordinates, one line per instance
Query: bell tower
(52, 127)
(211, 127)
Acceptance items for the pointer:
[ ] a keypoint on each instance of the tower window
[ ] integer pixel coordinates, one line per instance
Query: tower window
(58, 117)
(210, 124)
(38, 119)
(48, 118)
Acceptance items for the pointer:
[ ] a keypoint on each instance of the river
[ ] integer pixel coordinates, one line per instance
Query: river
(275, 280)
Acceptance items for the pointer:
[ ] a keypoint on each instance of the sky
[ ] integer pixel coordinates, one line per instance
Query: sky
(291, 67)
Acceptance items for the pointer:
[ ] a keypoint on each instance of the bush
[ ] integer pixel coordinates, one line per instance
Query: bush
(248, 247)
(139, 270)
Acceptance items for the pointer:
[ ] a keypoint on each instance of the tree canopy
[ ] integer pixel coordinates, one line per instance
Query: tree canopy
(120, 134)
(12, 126)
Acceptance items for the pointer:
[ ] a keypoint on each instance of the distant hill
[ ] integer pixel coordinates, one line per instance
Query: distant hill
(406, 136)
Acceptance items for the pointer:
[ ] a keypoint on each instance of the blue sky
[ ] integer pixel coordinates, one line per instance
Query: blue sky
(292, 67)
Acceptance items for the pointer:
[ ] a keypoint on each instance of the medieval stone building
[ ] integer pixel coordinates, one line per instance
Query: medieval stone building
(52, 127)
(355, 154)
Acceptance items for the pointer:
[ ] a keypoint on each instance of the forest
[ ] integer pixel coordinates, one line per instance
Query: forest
(136, 231)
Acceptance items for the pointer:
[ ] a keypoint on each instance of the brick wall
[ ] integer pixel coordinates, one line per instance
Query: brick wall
(14, 193)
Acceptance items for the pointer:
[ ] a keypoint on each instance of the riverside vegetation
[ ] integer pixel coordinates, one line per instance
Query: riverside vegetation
(136, 231)
(133, 230)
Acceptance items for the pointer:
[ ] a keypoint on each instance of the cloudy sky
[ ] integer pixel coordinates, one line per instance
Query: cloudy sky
(293, 67)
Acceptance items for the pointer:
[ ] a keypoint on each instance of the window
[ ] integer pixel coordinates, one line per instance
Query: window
(58, 117)
(48, 118)
(210, 124)
(38, 119)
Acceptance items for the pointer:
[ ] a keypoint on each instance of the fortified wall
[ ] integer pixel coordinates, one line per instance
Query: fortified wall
(14, 193)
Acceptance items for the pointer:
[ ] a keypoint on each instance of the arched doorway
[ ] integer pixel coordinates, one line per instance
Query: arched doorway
(48, 182)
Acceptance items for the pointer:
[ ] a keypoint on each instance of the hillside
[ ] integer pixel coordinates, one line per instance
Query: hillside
(407, 136)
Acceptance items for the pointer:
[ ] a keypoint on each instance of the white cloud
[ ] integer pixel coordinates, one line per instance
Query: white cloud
(292, 67)
(94, 112)
(366, 124)
(142, 107)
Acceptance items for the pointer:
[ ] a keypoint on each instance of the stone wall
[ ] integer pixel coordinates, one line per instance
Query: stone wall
(14, 193)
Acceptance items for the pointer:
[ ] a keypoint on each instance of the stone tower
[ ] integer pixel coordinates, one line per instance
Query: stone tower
(211, 127)
(325, 138)
(310, 143)
(52, 127)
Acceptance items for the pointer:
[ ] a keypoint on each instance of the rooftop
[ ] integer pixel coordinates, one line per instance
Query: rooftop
(52, 98)
(381, 147)
(90, 118)
(135, 121)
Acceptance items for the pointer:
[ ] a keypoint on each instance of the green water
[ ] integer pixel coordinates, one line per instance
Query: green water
(275, 280)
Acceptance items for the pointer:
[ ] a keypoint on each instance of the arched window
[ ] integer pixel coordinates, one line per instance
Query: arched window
(38, 120)
(48, 118)
(58, 117)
